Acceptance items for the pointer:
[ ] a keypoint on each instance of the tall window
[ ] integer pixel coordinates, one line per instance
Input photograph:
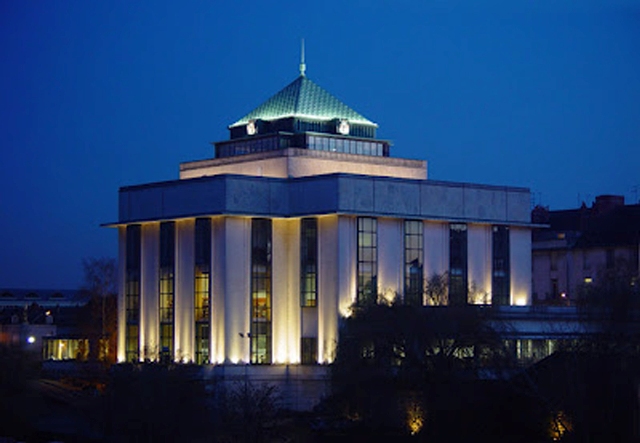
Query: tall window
(202, 289)
(308, 262)
(413, 269)
(260, 291)
(167, 265)
(367, 260)
(132, 294)
(309, 350)
(500, 275)
(458, 285)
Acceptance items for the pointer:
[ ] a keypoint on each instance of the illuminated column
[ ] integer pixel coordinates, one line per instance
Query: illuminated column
(327, 286)
(436, 248)
(218, 274)
(237, 267)
(122, 257)
(520, 258)
(347, 246)
(286, 291)
(390, 257)
(479, 263)
(337, 281)
(184, 287)
(149, 314)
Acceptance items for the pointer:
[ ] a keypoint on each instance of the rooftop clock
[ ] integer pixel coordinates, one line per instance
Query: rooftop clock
(343, 127)
(252, 128)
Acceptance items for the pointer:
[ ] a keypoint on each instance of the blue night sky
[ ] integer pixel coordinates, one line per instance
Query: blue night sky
(99, 95)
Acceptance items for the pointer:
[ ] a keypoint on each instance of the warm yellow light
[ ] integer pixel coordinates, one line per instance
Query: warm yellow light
(559, 425)
(346, 311)
(415, 417)
(520, 300)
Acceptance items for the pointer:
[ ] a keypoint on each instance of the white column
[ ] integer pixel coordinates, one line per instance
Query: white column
(122, 307)
(520, 257)
(347, 266)
(184, 288)
(237, 273)
(337, 279)
(479, 262)
(436, 248)
(390, 257)
(218, 279)
(149, 291)
(327, 286)
(286, 290)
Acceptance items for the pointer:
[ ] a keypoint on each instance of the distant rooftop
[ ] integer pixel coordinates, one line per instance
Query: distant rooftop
(608, 222)
(43, 297)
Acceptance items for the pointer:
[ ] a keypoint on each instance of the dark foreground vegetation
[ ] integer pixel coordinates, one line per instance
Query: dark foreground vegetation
(571, 396)
(401, 373)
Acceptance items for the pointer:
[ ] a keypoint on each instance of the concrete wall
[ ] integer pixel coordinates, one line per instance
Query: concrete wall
(390, 257)
(184, 291)
(149, 291)
(218, 289)
(325, 194)
(571, 267)
(436, 248)
(122, 259)
(479, 262)
(304, 162)
(520, 262)
(286, 291)
(237, 283)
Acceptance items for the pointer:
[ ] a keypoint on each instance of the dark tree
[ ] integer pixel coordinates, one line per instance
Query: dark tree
(394, 359)
(98, 319)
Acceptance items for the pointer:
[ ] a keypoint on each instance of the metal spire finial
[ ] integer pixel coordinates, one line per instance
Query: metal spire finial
(303, 67)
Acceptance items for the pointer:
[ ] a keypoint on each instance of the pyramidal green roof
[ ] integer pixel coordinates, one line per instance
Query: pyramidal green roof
(303, 98)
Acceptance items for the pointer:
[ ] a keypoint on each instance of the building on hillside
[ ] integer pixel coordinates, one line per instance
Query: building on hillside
(253, 256)
(580, 246)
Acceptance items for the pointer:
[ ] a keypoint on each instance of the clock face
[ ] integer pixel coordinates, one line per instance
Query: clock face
(252, 128)
(343, 127)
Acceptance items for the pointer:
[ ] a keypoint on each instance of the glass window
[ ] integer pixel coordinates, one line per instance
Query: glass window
(167, 265)
(413, 267)
(309, 350)
(367, 291)
(202, 289)
(501, 281)
(308, 262)
(132, 293)
(261, 291)
(458, 284)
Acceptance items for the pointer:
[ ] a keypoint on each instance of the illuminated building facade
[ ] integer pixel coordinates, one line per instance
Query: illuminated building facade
(253, 256)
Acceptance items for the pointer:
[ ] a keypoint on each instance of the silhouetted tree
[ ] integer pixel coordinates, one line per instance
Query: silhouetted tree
(98, 319)
(388, 354)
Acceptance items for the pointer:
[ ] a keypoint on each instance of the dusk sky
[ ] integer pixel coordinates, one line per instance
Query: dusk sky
(99, 95)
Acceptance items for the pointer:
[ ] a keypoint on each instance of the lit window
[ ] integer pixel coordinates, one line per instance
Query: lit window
(413, 268)
(308, 262)
(367, 265)
(458, 284)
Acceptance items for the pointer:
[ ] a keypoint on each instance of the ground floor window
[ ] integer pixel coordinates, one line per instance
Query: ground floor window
(65, 349)
(309, 350)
